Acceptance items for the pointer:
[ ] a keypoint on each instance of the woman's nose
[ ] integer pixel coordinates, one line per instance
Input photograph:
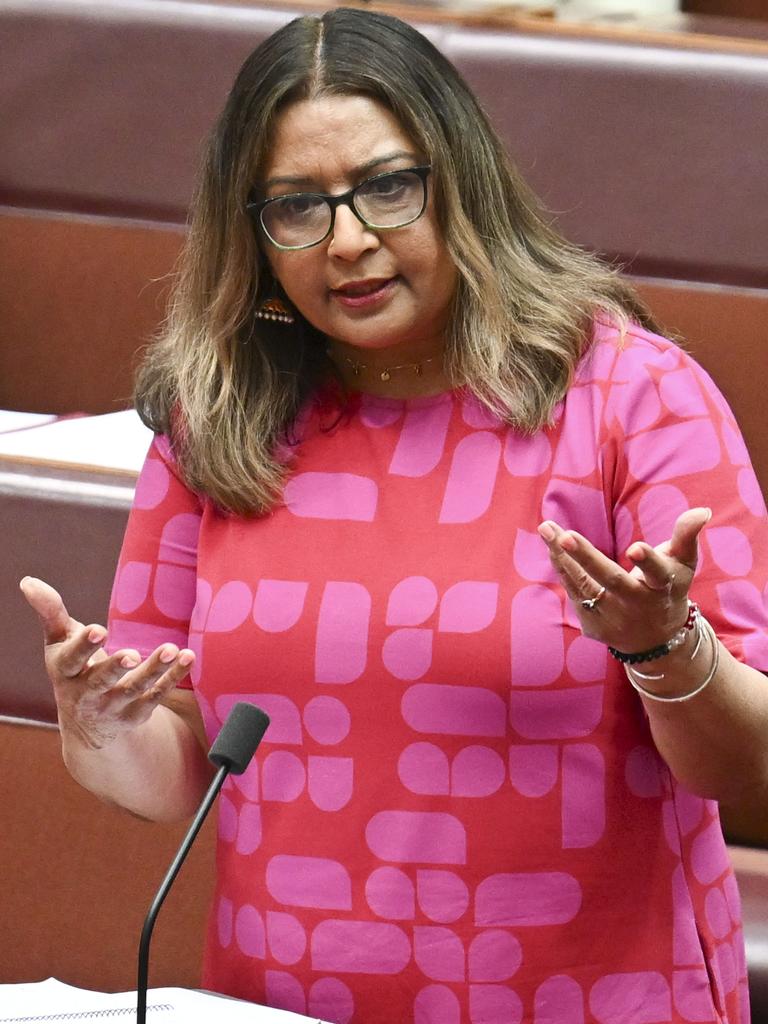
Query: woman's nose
(350, 238)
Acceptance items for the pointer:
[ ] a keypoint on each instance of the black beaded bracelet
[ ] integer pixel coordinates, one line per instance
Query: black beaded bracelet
(663, 649)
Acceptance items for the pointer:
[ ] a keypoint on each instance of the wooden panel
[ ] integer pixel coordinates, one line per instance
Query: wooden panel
(79, 296)
(78, 878)
(74, 545)
(729, 8)
(105, 107)
(726, 330)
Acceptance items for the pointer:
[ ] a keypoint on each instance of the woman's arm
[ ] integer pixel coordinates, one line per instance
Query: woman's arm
(157, 771)
(127, 733)
(716, 743)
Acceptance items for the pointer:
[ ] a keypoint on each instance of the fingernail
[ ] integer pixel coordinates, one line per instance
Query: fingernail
(547, 531)
(96, 636)
(167, 655)
(186, 658)
(709, 515)
(568, 542)
(128, 662)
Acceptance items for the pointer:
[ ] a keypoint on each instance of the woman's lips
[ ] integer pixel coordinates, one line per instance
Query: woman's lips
(359, 294)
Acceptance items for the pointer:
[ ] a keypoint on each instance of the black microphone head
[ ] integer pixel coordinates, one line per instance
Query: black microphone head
(239, 736)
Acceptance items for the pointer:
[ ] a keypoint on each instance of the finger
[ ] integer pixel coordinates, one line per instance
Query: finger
(74, 655)
(684, 543)
(578, 584)
(657, 571)
(596, 568)
(170, 679)
(50, 609)
(158, 673)
(105, 672)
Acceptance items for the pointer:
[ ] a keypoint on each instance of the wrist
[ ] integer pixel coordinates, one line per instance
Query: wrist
(687, 671)
(664, 649)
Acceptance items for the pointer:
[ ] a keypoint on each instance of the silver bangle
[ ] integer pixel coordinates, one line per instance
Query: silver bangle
(702, 626)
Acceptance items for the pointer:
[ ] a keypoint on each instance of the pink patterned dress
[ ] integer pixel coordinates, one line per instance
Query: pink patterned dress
(457, 815)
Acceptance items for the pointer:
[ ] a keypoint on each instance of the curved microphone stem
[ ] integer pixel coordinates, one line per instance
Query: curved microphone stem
(165, 885)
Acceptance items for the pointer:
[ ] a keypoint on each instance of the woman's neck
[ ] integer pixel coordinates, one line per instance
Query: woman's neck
(388, 373)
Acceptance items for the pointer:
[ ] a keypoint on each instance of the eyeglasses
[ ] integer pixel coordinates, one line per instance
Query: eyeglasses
(303, 219)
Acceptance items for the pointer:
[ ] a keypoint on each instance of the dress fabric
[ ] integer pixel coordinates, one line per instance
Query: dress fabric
(457, 815)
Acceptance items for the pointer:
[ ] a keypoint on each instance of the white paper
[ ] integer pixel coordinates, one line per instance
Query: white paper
(116, 440)
(10, 420)
(172, 1006)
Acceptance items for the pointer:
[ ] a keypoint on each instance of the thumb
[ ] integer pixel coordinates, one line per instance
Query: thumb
(684, 542)
(47, 602)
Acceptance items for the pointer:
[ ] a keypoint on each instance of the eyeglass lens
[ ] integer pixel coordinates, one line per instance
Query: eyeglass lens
(386, 201)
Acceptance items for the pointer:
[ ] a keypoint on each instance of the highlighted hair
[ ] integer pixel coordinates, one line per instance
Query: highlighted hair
(227, 386)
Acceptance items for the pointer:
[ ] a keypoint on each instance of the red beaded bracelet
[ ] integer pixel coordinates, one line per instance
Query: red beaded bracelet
(663, 649)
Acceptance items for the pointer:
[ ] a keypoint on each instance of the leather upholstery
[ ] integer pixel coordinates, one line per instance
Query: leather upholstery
(582, 117)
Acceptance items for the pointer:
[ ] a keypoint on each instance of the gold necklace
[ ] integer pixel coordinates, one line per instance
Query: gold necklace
(387, 372)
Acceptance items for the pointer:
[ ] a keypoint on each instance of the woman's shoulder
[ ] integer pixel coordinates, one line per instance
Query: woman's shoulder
(618, 351)
(643, 382)
(161, 481)
(161, 451)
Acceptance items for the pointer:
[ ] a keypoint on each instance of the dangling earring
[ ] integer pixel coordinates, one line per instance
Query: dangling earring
(274, 309)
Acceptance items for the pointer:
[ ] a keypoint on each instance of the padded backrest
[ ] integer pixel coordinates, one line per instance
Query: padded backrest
(648, 152)
(79, 876)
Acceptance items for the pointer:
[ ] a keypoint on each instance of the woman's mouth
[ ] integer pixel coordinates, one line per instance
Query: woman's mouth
(356, 294)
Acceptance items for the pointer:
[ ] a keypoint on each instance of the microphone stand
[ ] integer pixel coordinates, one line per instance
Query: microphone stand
(231, 751)
(165, 885)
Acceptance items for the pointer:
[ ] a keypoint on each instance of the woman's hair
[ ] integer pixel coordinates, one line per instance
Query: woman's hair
(228, 386)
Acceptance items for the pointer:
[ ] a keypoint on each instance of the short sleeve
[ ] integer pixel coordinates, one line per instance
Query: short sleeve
(153, 594)
(672, 443)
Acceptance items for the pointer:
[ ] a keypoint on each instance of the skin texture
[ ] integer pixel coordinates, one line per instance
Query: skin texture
(329, 145)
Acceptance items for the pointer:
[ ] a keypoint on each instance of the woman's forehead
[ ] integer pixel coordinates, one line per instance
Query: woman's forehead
(334, 135)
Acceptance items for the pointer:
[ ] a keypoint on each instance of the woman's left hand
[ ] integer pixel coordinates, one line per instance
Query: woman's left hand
(639, 609)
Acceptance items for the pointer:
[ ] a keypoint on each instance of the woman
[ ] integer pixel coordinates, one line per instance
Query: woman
(381, 372)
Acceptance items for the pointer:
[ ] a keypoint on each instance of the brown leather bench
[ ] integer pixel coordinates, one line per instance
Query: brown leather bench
(654, 154)
(78, 875)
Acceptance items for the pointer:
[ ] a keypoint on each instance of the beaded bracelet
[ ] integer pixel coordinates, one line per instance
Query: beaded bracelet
(702, 627)
(666, 648)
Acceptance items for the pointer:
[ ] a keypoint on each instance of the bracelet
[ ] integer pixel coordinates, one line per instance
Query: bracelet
(666, 648)
(703, 627)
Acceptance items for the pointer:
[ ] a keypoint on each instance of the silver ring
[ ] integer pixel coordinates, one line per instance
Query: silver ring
(590, 602)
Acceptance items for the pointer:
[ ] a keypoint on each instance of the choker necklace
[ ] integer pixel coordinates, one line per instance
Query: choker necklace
(385, 374)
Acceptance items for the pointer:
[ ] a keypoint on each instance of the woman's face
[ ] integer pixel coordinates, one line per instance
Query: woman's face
(373, 290)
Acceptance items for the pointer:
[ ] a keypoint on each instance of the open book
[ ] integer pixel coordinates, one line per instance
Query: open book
(52, 1000)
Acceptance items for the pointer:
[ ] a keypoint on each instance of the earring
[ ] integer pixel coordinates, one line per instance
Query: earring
(274, 309)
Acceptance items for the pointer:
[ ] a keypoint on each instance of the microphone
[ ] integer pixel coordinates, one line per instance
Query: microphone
(231, 751)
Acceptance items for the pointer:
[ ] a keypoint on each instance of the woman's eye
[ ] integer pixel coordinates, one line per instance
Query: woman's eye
(391, 185)
(298, 206)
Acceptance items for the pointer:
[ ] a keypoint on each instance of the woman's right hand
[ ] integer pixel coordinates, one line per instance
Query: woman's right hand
(99, 696)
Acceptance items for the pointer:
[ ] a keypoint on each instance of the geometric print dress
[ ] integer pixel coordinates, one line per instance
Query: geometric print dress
(457, 814)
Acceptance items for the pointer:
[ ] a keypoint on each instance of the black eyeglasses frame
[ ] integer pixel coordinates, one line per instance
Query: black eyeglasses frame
(256, 207)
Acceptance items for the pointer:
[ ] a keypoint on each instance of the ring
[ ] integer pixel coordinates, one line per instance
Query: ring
(590, 602)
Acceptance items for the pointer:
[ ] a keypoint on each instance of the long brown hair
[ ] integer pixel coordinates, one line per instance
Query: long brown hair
(227, 386)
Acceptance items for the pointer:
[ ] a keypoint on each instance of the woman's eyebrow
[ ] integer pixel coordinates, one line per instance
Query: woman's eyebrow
(356, 172)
